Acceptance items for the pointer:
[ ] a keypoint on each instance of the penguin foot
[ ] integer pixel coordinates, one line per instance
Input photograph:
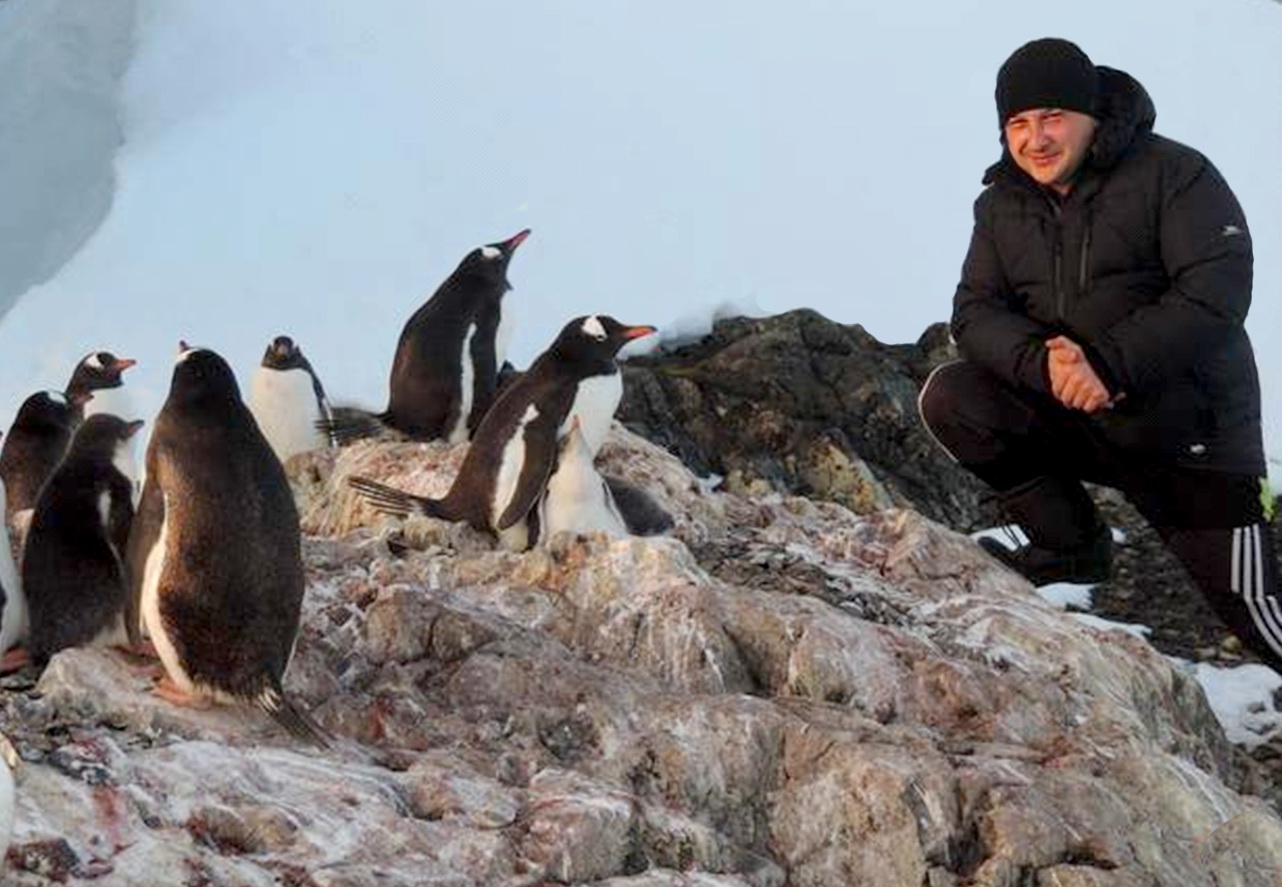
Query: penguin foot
(167, 690)
(15, 659)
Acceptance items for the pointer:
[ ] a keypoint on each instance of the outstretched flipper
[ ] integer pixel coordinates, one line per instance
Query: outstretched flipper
(397, 503)
(347, 424)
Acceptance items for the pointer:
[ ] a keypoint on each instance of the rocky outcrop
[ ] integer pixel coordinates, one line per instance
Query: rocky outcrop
(783, 692)
(799, 404)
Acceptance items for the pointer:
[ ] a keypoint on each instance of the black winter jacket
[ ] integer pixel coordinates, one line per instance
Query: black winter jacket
(1147, 264)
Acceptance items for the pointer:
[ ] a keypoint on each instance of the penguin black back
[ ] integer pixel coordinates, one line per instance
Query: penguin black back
(35, 445)
(215, 555)
(73, 562)
(445, 371)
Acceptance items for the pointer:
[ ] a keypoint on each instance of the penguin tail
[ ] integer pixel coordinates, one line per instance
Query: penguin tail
(347, 424)
(390, 500)
(297, 722)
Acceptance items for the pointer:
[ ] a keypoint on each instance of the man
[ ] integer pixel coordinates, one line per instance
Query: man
(1100, 320)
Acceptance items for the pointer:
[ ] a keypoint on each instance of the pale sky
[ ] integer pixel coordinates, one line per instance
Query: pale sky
(316, 168)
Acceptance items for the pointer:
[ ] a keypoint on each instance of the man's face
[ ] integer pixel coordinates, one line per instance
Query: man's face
(1050, 144)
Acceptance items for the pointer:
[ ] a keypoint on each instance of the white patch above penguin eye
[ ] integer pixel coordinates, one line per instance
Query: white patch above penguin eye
(592, 327)
(183, 355)
(93, 361)
(489, 252)
(57, 397)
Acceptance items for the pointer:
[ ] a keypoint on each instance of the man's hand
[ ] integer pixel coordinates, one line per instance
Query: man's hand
(1073, 382)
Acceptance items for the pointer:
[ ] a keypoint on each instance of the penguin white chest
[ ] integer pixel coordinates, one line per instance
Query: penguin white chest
(13, 618)
(112, 401)
(458, 432)
(285, 406)
(595, 400)
(149, 607)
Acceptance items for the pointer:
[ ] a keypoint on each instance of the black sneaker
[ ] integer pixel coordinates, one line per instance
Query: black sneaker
(1088, 563)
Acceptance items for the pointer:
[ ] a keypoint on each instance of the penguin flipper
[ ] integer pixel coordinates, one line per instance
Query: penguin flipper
(297, 722)
(144, 535)
(390, 500)
(347, 424)
(540, 460)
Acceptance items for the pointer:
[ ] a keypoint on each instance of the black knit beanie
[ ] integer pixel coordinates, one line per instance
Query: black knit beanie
(1046, 73)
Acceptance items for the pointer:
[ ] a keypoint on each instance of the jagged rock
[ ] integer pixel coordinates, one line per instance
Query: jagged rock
(799, 404)
(779, 692)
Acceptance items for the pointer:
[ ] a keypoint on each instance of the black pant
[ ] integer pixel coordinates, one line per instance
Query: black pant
(1212, 520)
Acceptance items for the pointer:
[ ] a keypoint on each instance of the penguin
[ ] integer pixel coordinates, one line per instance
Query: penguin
(445, 372)
(13, 611)
(36, 443)
(8, 792)
(576, 498)
(641, 514)
(73, 564)
(214, 555)
(288, 400)
(507, 467)
(101, 374)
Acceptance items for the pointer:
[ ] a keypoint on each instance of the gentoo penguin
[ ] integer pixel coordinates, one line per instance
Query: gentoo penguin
(36, 443)
(215, 553)
(73, 567)
(13, 613)
(445, 372)
(642, 515)
(101, 374)
(506, 469)
(7, 791)
(288, 400)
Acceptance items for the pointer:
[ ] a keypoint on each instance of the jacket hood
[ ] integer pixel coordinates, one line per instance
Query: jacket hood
(1125, 113)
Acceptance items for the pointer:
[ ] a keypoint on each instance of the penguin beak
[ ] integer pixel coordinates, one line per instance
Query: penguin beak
(509, 246)
(132, 428)
(125, 363)
(637, 332)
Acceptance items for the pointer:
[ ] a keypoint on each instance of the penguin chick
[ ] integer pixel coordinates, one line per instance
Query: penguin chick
(73, 567)
(36, 443)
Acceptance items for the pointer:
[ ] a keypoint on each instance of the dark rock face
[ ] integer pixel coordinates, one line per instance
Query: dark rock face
(797, 403)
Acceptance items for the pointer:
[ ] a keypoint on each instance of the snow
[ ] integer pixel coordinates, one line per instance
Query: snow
(1242, 698)
(317, 169)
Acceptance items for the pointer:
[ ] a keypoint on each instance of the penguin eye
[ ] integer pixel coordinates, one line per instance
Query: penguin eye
(489, 252)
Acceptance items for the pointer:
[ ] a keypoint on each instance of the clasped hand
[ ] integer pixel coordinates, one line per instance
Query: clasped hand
(1074, 382)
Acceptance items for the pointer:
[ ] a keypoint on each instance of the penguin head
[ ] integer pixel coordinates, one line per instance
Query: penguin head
(284, 354)
(103, 435)
(49, 410)
(490, 262)
(96, 370)
(596, 337)
(201, 378)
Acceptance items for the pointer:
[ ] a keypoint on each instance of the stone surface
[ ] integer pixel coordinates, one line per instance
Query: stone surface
(781, 692)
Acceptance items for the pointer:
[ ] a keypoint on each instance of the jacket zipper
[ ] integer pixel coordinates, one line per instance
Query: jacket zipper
(1082, 277)
(1057, 261)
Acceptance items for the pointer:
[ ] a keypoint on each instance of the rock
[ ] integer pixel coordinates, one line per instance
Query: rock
(799, 404)
(781, 691)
